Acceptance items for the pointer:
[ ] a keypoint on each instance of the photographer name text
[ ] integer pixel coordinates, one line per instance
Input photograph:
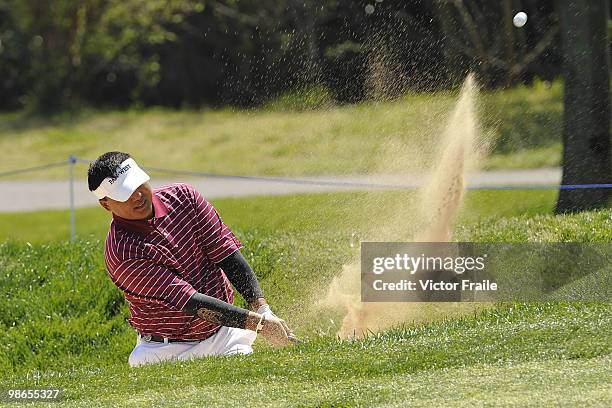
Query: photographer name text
(434, 286)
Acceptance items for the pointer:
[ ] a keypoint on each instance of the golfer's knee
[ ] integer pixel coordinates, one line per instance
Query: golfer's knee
(138, 357)
(239, 349)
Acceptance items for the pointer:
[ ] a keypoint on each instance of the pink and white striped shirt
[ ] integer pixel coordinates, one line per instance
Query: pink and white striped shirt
(160, 263)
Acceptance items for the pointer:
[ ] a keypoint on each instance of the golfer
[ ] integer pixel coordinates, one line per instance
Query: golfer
(176, 261)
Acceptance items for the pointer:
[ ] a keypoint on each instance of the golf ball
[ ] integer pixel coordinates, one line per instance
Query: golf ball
(520, 19)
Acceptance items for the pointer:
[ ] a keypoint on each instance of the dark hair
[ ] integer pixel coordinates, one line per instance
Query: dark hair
(104, 166)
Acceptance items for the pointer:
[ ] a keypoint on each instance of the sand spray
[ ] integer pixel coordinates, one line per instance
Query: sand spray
(428, 217)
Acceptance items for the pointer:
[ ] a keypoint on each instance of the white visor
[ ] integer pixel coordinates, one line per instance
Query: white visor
(129, 178)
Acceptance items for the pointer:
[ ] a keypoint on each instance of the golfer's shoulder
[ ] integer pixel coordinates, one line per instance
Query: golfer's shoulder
(176, 192)
(121, 244)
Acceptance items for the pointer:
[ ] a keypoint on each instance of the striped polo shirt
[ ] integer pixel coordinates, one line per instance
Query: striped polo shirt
(160, 263)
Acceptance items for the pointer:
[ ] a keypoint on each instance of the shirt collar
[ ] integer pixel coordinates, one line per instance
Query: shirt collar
(158, 205)
(160, 209)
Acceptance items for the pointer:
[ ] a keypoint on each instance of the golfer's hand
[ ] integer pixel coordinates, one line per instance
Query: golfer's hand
(267, 312)
(275, 331)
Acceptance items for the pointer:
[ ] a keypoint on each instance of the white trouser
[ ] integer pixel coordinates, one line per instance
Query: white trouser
(227, 341)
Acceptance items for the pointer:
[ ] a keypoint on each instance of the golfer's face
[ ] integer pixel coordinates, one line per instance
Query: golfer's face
(138, 207)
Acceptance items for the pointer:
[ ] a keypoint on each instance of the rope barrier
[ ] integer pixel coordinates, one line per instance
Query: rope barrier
(541, 187)
(35, 168)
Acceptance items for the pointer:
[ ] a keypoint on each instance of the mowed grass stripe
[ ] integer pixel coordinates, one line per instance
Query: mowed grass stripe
(529, 384)
(338, 213)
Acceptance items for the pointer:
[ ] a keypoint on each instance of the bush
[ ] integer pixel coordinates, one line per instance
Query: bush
(304, 99)
(59, 303)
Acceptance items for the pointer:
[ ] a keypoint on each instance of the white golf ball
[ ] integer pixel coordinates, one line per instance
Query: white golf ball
(520, 19)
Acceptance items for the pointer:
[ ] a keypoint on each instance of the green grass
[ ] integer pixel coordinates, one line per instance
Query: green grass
(518, 355)
(536, 157)
(63, 321)
(525, 124)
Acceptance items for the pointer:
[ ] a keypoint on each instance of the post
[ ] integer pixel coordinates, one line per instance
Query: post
(71, 162)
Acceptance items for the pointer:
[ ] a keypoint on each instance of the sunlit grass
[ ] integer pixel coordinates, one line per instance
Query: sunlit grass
(346, 139)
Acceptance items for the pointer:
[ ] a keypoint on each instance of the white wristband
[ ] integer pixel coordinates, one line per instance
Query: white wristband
(264, 309)
(260, 325)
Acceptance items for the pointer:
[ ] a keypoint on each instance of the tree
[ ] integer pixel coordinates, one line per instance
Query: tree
(479, 36)
(586, 121)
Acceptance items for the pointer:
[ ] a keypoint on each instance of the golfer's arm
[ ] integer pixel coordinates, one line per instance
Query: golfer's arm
(219, 312)
(240, 274)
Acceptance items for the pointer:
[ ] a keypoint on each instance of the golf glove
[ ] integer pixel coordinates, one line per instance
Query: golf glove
(266, 311)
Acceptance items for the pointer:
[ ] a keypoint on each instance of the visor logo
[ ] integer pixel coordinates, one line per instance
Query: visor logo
(119, 172)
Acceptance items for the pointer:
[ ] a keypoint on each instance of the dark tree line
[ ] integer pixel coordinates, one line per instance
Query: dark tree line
(58, 53)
